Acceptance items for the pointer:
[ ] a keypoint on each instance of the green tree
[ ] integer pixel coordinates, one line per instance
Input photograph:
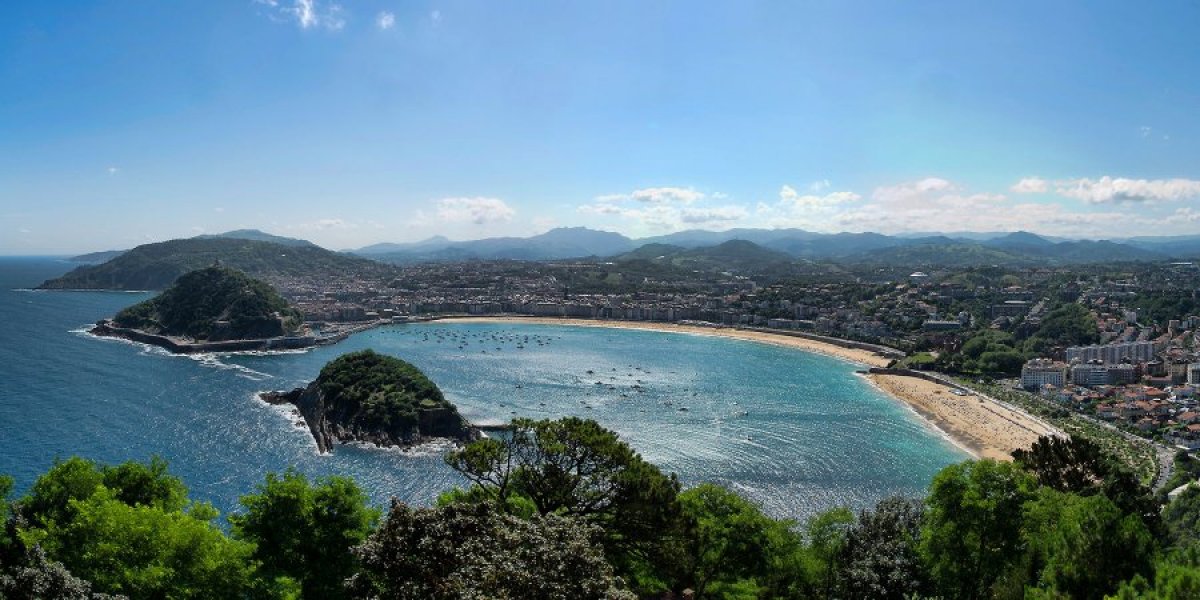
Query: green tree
(306, 531)
(576, 468)
(1078, 466)
(881, 556)
(1085, 546)
(1181, 518)
(472, 550)
(149, 552)
(729, 539)
(1176, 577)
(825, 534)
(972, 531)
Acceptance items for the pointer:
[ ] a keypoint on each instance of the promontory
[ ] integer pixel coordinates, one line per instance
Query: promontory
(210, 310)
(382, 400)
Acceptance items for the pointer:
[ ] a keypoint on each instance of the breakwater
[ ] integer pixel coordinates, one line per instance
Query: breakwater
(178, 346)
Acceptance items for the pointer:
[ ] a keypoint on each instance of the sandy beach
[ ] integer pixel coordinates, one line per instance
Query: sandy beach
(986, 428)
(981, 426)
(855, 355)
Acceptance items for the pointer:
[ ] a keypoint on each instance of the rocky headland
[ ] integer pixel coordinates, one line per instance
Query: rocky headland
(371, 398)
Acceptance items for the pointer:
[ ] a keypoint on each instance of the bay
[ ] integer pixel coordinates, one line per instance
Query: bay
(795, 431)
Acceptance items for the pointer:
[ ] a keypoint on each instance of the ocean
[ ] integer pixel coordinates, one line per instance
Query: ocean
(795, 431)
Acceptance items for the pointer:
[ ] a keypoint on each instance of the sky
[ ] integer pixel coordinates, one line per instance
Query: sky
(354, 122)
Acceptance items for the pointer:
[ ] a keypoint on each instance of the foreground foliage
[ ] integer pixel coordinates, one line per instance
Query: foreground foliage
(565, 509)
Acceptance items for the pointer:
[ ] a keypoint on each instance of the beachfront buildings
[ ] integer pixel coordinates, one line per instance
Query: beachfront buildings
(1142, 351)
(1041, 372)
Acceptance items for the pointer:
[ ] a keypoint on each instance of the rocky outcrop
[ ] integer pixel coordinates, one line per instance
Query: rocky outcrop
(331, 423)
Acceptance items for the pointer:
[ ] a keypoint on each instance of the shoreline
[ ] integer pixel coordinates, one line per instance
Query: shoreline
(854, 355)
(975, 424)
(984, 428)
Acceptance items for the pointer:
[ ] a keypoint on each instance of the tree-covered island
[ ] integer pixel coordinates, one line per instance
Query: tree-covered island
(205, 310)
(368, 397)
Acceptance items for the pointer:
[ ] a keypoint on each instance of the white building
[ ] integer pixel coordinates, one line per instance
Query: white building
(1039, 372)
(1112, 353)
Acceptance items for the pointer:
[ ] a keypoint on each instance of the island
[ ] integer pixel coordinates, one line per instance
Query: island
(372, 398)
(214, 309)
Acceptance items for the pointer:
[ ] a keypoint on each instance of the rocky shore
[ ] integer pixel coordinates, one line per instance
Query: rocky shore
(182, 346)
(331, 425)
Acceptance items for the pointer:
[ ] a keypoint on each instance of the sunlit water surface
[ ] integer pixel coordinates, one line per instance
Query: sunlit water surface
(797, 432)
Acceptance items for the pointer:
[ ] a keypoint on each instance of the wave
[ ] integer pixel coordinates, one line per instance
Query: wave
(207, 359)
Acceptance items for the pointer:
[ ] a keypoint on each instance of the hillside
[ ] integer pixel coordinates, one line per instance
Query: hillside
(155, 266)
(368, 397)
(213, 304)
(255, 235)
(560, 243)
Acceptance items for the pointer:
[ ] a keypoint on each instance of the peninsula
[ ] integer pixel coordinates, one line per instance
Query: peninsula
(211, 310)
(368, 397)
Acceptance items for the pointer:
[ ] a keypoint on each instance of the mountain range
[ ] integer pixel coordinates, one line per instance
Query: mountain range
(980, 248)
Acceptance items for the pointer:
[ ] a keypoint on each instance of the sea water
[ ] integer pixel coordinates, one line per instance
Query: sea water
(795, 431)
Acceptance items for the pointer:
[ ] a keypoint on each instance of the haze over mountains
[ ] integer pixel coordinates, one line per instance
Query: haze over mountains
(154, 266)
(1001, 248)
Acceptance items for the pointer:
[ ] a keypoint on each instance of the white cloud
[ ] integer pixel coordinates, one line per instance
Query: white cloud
(219, 209)
(1030, 185)
(308, 14)
(657, 195)
(24, 230)
(113, 170)
(819, 186)
(435, 16)
(385, 20)
(809, 211)
(478, 210)
(907, 190)
(1107, 190)
(1145, 130)
(668, 217)
(322, 225)
(719, 214)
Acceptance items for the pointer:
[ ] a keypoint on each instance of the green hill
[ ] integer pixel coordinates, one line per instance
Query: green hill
(155, 266)
(368, 397)
(214, 304)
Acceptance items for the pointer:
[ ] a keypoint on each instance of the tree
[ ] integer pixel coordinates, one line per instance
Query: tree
(576, 468)
(149, 552)
(881, 556)
(1085, 546)
(1078, 466)
(729, 539)
(826, 537)
(472, 550)
(1176, 577)
(306, 531)
(972, 530)
(1182, 518)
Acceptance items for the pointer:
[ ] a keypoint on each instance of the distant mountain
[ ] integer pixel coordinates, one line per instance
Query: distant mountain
(257, 236)
(737, 256)
(155, 266)
(1180, 246)
(436, 242)
(95, 258)
(564, 242)
(695, 238)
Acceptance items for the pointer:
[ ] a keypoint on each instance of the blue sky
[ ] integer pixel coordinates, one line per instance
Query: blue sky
(363, 121)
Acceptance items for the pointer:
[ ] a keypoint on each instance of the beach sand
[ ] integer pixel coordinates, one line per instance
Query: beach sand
(855, 355)
(981, 426)
(984, 427)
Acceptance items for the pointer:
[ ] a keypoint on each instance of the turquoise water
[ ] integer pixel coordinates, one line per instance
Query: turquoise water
(797, 432)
